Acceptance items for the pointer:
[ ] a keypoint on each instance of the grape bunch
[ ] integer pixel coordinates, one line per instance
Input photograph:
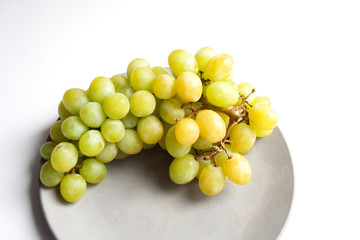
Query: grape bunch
(197, 113)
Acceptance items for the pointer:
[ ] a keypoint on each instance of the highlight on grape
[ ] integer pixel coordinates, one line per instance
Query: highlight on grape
(196, 112)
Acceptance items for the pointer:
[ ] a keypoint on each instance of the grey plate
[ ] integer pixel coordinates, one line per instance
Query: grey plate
(137, 200)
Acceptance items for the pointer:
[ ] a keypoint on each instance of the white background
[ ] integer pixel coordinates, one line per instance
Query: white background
(304, 55)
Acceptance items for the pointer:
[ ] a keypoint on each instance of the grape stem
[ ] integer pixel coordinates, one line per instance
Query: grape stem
(236, 114)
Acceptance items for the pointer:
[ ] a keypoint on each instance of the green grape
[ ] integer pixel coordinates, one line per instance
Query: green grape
(187, 131)
(170, 109)
(92, 170)
(201, 144)
(142, 78)
(238, 169)
(211, 180)
(173, 147)
(55, 132)
(222, 156)
(134, 64)
(150, 129)
(72, 127)
(188, 87)
(245, 88)
(142, 103)
(74, 99)
(159, 70)
(130, 121)
(108, 153)
(212, 127)
(121, 155)
(260, 132)
(202, 163)
(92, 114)
(46, 150)
(242, 138)
(120, 80)
(219, 68)
(203, 57)
(263, 116)
(101, 88)
(63, 112)
(182, 61)
(113, 130)
(162, 140)
(116, 106)
(222, 94)
(64, 157)
(183, 169)
(261, 99)
(128, 91)
(72, 187)
(131, 143)
(164, 86)
(91, 143)
(148, 146)
(224, 117)
(49, 176)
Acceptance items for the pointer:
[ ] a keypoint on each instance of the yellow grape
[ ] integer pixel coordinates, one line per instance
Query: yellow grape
(212, 127)
(263, 116)
(242, 138)
(182, 61)
(142, 103)
(202, 163)
(91, 143)
(245, 88)
(238, 169)
(72, 187)
(261, 99)
(113, 130)
(134, 64)
(211, 180)
(188, 87)
(187, 131)
(101, 88)
(262, 133)
(150, 129)
(183, 169)
(224, 117)
(203, 57)
(74, 99)
(116, 106)
(219, 68)
(172, 145)
(142, 78)
(164, 86)
(64, 157)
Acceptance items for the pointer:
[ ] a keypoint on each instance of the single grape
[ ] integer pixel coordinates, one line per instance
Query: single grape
(72, 187)
(245, 88)
(116, 106)
(128, 91)
(260, 132)
(108, 153)
(202, 163)
(170, 109)
(150, 129)
(164, 86)
(159, 70)
(131, 143)
(188, 87)
(63, 112)
(92, 114)
(238, 169)
(49, 176)
(142, 78)
(56, 134)
(211, 180)
(263, 116)
(74, 99)
(183, 169)
(242, 138)
(222, 94)
(92, 170)
(101, 88)
(91, 143)
(182, 61)
(219, 68)
(64, 157)
(120, 80)
(173, 147)
(187, 131)
(134, 64)
(46, 149)
(142, 103)
(201, 144)
(212, 127)
(72, 127)
(113, 130)
(130, 121)
(203, 57)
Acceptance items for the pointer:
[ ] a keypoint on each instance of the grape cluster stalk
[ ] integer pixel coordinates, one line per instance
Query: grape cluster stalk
(197, 113)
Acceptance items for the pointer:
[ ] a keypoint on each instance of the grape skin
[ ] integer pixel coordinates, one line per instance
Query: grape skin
(183, 169)
(72, 187)
(211, 180)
